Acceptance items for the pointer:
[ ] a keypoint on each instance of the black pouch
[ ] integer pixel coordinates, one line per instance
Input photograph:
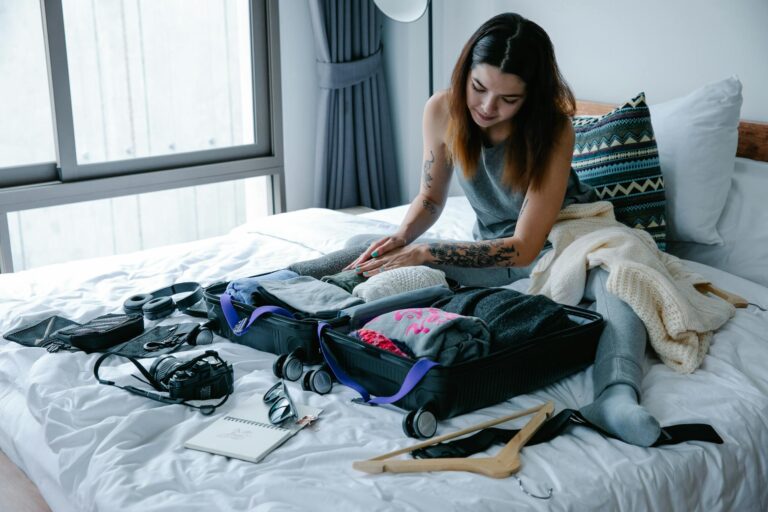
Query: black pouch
(102, 332)
(158, 341)
(42, 334)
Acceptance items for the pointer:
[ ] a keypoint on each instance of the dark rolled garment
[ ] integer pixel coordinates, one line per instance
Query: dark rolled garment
(346, 280)
(512, 317)
(330, 264)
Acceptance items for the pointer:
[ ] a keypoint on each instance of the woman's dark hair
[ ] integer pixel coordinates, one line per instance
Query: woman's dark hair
(521, 47)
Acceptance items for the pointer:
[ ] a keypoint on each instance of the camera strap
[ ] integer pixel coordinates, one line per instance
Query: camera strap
(204, 409)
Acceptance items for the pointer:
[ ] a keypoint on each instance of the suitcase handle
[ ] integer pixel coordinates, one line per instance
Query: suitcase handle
(240, 326)
(414, 376)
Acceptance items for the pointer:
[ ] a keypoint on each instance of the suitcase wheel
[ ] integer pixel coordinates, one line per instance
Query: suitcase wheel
(420, 424)
(319, 381)
(288, 366)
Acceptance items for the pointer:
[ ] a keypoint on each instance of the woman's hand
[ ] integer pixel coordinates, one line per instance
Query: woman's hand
(377, 249)
(407, 256)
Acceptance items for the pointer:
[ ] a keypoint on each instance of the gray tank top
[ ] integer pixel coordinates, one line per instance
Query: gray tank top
(497, 207)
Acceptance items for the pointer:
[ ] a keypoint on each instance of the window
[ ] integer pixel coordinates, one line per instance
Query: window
(142, 85)
(114, 102)
(24, 91)
(130, 223)
(152, 78)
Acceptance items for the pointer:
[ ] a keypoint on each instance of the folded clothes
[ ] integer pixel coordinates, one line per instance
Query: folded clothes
(421, 298)
(379, 340)
(242, 289)
(330, 264)
(512, 317)
(346, 280)
(310, 295)
(399, 280)
(444, 337)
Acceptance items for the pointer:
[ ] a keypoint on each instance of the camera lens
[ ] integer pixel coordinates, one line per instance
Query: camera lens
(163, 367)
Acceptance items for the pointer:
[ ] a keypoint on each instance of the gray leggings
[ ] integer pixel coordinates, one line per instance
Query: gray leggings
(621, 348)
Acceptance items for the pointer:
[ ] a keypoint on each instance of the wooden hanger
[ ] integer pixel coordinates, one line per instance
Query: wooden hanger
(736, 300)
(506, 462)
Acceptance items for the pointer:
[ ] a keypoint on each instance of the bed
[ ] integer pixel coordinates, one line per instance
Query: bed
(90, 447)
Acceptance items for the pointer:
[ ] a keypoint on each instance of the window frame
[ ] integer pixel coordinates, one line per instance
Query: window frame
(65, 181)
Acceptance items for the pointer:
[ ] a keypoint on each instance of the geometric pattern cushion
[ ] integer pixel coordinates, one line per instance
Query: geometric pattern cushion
(617, 155)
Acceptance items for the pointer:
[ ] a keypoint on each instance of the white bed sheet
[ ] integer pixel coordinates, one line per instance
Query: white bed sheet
(91, 447)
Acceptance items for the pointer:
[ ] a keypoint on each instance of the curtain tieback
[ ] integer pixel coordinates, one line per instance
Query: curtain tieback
(338, 75)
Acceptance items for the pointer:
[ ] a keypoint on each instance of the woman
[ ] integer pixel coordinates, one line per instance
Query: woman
(504, 123)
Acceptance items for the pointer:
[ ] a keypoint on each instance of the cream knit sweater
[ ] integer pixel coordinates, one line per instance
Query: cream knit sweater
(679, 319)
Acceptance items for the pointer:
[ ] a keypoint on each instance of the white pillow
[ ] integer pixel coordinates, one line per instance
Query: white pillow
(744, 227)
(697, 137)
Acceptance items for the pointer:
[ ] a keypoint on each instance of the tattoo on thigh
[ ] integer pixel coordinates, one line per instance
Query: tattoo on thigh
(427, 167)
(479, 254)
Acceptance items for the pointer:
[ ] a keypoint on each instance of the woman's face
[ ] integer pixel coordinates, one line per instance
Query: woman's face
(493, 97)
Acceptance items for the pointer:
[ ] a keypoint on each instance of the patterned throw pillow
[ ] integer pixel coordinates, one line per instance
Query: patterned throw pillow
(617, 155)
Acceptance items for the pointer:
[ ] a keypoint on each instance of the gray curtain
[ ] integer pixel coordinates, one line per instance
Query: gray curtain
(354, 161)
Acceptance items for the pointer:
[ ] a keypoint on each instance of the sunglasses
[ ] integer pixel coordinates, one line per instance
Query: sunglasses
(281, 408)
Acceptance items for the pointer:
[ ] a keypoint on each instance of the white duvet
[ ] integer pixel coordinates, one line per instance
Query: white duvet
(89, 447)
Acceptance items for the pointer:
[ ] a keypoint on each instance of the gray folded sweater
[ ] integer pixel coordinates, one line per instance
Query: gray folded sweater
(311, 295)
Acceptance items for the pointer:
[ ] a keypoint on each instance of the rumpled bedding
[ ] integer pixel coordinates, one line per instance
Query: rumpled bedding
(90, 447)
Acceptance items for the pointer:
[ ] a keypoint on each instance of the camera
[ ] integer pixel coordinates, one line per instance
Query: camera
(197, 379)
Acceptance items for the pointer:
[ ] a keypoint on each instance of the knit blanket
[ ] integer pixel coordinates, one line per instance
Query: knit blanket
(679, 319)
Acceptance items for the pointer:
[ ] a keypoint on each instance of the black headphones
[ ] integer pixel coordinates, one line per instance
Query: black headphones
(160, 303)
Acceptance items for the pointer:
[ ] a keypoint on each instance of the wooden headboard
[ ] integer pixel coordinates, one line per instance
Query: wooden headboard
(753, 135)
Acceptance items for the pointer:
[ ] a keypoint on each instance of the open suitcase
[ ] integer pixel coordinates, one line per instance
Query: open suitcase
(280, 330)
(431, 392)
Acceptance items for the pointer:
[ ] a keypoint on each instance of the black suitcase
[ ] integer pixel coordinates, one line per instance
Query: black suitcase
(447, 391)
(273, 332)
(281, 330)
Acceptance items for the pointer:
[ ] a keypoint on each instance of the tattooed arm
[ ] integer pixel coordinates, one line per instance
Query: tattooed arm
(491, 253)
(427, 206)
(537, 216)
(436, 171)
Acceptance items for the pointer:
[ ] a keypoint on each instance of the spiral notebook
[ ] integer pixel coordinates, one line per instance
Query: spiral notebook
(245, 433)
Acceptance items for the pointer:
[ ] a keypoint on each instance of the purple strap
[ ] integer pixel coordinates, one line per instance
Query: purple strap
(240, 326)
(415, 374)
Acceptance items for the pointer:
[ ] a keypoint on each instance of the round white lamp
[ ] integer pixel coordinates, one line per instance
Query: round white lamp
(403, 10)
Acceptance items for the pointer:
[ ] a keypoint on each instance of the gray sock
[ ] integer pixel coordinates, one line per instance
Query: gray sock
(617, 412)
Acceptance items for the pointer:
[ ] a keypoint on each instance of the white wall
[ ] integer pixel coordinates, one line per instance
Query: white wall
(407, 73)
(607, 50)
(299, 79)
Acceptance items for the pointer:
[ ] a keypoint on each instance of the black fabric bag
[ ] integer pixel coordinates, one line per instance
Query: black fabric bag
(42, 334)
(102, 332)
(158, 341)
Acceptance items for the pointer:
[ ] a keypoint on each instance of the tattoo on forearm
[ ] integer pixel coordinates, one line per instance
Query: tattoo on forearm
(478, 254)
(427, 168)
(430, 207)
